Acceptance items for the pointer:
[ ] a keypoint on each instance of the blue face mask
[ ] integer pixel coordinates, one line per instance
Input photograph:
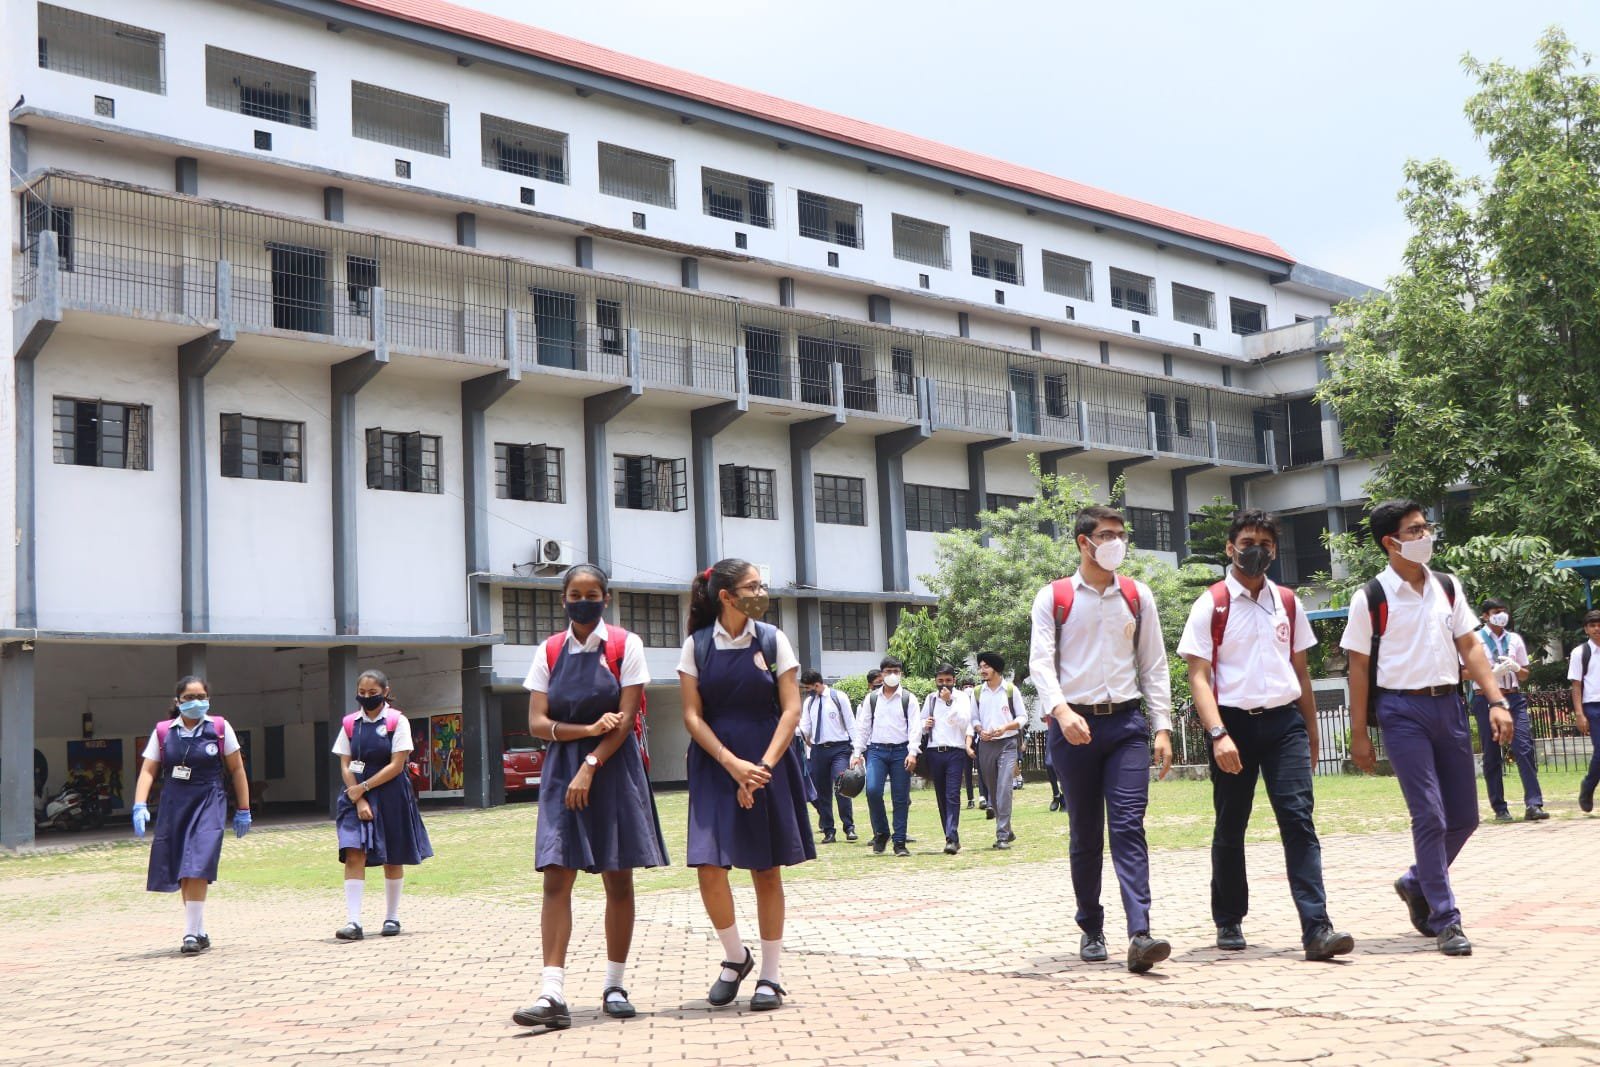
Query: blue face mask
(585, 612)
(193, 709)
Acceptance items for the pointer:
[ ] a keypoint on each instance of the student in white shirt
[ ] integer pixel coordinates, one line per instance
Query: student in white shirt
(1584, 673)
(947, 722)
(827, 723)
(887, 739)
(1508, 658)
(998, 717)
(1412, 687)
(1245, 643)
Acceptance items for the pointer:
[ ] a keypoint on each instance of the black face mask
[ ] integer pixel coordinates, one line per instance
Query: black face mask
(1253, 561)
(371, 703)
(585, 612)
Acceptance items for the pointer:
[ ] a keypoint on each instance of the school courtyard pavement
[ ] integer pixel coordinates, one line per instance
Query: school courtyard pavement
(911, 967)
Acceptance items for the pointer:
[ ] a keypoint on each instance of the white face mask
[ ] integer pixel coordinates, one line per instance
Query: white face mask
(891, 681)
(1110, 554)
(1418, 551)
(1500, 619)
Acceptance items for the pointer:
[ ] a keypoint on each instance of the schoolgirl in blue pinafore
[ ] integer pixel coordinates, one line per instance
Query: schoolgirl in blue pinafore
(619, 828)
(194, 809)
(395, 835)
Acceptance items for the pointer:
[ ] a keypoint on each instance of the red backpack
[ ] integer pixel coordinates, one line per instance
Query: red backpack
(616, 645)
(391, 719)
(1224, 604)
(1061, 589)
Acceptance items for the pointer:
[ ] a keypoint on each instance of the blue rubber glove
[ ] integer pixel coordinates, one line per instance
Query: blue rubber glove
(241, 823)
(141, 819)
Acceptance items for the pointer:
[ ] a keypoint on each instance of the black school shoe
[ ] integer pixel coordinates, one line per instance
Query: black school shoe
(1416, 905)
(1092, 948)
(1325, 944)
(391, 927)
(349, 932)
(723, 992)
(193, 944)
(1144, 952)
(768, 995)
(900, 849)
(547, 1012)
(879, 841)
(1453, 941)
(1230, 938)
(1585, 800)
(849, 833)
(617, 1009)
(1536, 814)
(828, 838)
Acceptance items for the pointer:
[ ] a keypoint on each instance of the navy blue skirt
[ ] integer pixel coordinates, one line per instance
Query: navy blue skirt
(188, 838)
(774, 833)
(394, 835)
(618, 831)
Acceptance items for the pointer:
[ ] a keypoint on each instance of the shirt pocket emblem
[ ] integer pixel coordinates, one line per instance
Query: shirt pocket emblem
(1283, 631)
(760, 661)
(383, 729)
(211, 748)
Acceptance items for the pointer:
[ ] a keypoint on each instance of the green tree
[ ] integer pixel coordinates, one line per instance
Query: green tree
(1208, 536)
(1479, 363)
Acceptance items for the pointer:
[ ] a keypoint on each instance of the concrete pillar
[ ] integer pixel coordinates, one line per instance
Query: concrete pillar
(16, 745)
(803, 437)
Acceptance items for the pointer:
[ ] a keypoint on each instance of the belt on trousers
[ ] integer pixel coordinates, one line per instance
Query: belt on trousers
(1109, 708)
(1252, 711)
(829, 744)
(944, 748)
(1425, 691)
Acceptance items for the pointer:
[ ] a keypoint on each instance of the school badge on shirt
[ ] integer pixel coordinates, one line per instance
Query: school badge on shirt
(383, 728)
(211, 748)
(761, 661)
(1283, 632)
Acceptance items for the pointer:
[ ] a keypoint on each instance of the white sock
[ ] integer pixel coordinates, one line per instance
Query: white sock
(391, 897)
(614, 978)
(194, 917)
(733, 950)
(555, 981)
(352, 900)
(771, 956)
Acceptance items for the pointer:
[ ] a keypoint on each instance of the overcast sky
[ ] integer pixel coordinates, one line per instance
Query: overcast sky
(1289, 119)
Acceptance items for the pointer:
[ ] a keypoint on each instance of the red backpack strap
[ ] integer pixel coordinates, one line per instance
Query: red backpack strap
(1061, 591)
(350, 724)
(1130, 594)
(616, 648)
(552, 649)
(1221, 603)
(1291, 607)
(163, 728)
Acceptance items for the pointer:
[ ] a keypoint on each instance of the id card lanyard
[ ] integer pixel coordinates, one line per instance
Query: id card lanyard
(183, 771)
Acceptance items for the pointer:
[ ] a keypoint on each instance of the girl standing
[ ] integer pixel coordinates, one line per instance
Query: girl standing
(596, 811)
(747, 800)
(191, 752)
(377, 818)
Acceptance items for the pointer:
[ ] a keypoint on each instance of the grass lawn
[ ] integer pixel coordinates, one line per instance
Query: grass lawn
(489, 854)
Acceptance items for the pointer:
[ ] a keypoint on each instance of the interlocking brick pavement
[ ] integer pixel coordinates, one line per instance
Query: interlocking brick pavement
(902, 967)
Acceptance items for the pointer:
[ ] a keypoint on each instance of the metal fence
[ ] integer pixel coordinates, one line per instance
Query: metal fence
(391, 117)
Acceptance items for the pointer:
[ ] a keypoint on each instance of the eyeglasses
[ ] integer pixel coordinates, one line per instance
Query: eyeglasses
(752, 587)
(1419, 529)
(1105, 537)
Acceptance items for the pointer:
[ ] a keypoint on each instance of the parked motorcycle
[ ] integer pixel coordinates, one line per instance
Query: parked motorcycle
(79, 805)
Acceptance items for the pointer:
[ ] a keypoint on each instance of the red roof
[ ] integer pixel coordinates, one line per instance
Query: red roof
(570, 52)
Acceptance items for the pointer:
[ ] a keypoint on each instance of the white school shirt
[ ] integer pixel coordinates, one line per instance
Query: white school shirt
(827, 719)
(399, 741)
(721, 639)
(1507, 644)
(1255, 668)
(1000, 706)
(1090, 659)
(952, 722)
(634, 671)
(893, 722)
(1591, 682)
(1419, 643)
(230, 741)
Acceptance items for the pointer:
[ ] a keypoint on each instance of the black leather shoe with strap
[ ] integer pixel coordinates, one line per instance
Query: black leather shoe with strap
(768, 995)
(723, 992)
(547, 1011)
(617, 1009)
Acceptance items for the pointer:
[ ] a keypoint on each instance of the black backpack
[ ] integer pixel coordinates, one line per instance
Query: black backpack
(1378, 611)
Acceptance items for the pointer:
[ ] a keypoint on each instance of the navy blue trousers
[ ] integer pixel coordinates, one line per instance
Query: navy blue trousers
(1430, 750)
(1521, 751)
(827, 763)
(946, 768)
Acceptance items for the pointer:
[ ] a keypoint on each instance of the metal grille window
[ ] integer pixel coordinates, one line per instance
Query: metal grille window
(1133, 292)
(260, 88)
(916, 241)
(1150, 529)
(531, 615)
(936, 508)
(747, 492)
(763, 353)
(1182, 418)
(555, 327)
(846, 627)
(99, 433)
(528, 472)
(903, 363)
(74, 43)
(1056, 397)
(736, 198)
(637, 176)
(1194, 306)
(997, 501)
(648, 483)
(402, 462)
(361, 277)
(840, 499)
(530, 151)
(1068, 276)
(38, 217)
(654, 617)
(997, 259)
(822, 218)
(608, 321)
(399, 119)
(266, 450)
(1247, 318)
(300, 288)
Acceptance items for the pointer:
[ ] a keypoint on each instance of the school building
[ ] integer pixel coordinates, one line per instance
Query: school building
(480, 301)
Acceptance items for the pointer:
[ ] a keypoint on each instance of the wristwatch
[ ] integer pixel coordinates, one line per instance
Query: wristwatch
(1216, 733)
(1501, 703)
(591, 761)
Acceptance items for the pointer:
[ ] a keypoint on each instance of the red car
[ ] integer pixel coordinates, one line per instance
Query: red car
(522, 762)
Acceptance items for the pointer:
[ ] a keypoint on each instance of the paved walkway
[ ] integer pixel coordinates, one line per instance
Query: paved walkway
(906, 968)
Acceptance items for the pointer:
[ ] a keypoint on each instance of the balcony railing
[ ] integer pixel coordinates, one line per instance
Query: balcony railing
(129, 251)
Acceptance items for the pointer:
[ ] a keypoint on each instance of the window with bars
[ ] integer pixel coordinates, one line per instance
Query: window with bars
(846, 627)
(402, 462)
(903, 364)
(528, 472)
(937, 508)
(266, 450)
(1056, 397)
(100, 433)
(400, 119)
(637, 176)
(997, 259)
(608, 322)
(918, 241)
(260, 88)
(72, 42)
(1182, 418)
(1196, 307)
(824, 218)
(531, 615)
(555, 327)
(736, 198)
(763, 354)
(1068, 276)
(517, 148)
(1247, 318)
(747, 492)
(361, 277)
(997, 501)
(650, 483)
(654, 617)
(1150, 529)
(1133, 292)
(840, 499)
(37, 217)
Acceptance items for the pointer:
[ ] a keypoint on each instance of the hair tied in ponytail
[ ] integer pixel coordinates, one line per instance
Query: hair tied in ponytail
(706, 574)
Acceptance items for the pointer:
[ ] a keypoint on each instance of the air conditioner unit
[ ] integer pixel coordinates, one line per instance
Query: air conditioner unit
(552, 553)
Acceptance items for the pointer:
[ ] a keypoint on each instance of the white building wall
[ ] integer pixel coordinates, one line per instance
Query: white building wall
(8, 397)
(849, 557)
(762, 444)
(650, 546)
(528, 416)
